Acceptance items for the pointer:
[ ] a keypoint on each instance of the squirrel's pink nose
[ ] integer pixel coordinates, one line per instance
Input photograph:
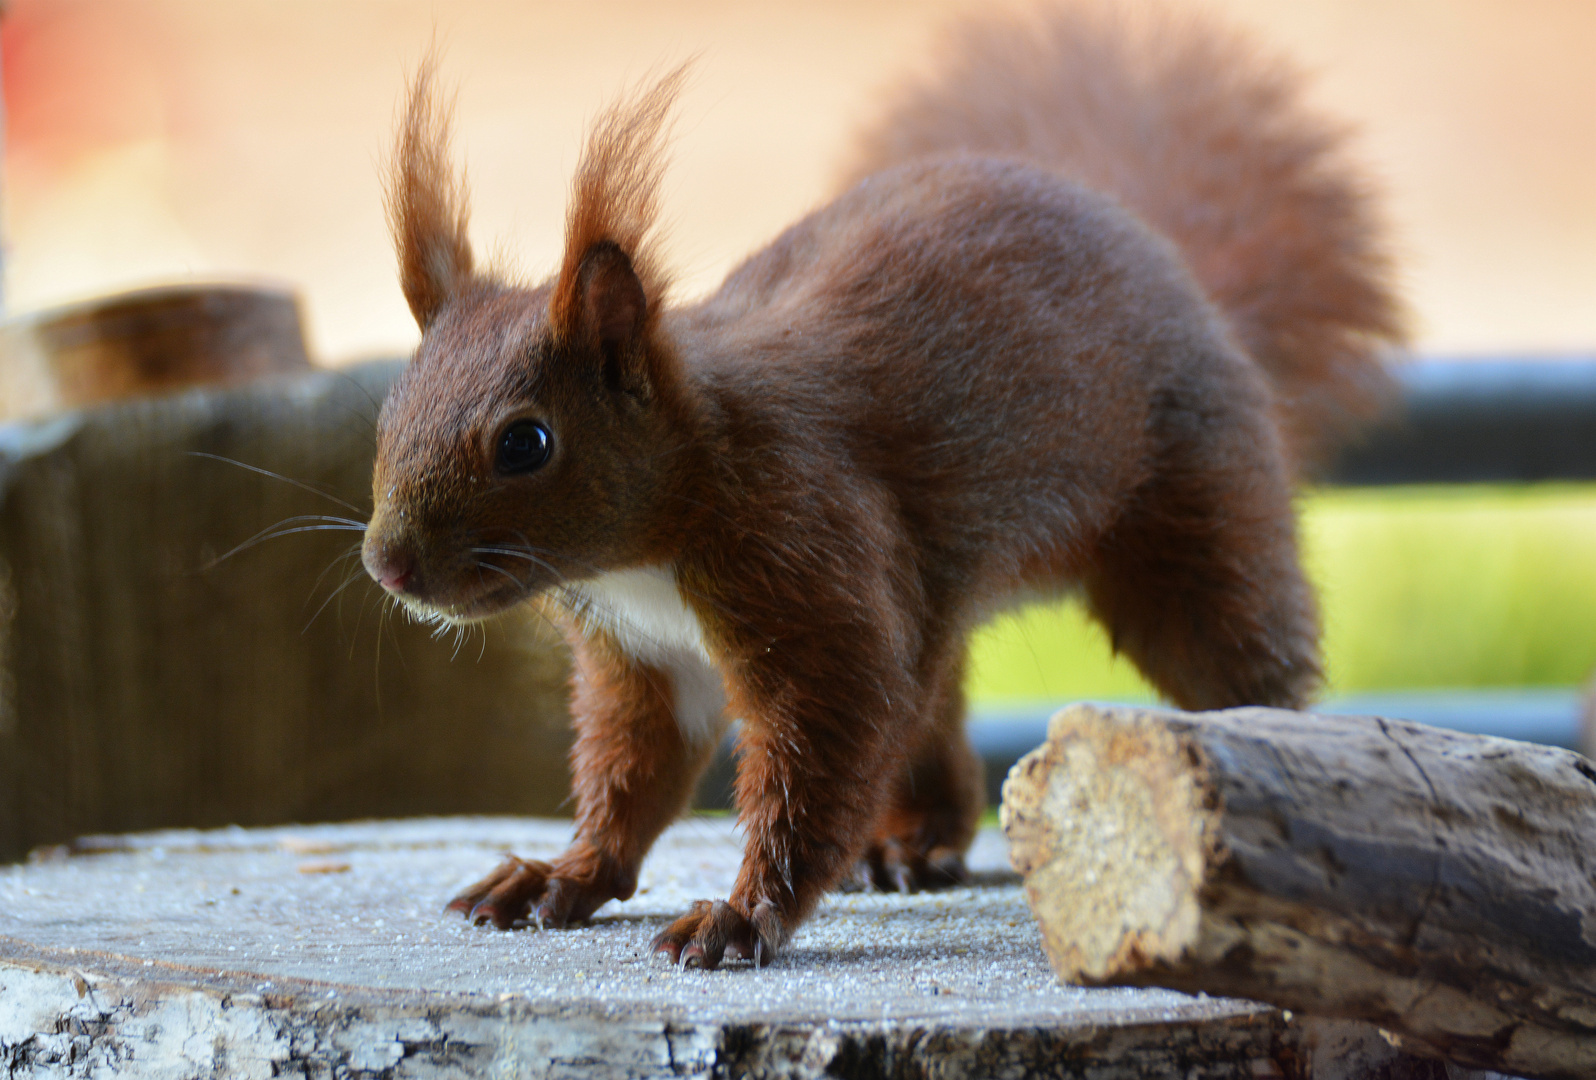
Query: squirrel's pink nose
(393, 569)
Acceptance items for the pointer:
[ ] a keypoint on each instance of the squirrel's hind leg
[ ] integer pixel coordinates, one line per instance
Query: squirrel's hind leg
(936, 802)
(1199, 581)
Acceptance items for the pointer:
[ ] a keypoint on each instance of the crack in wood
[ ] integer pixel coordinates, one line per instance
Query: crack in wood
(1412, 935)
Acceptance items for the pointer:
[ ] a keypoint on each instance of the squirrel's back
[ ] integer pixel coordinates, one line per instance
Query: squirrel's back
(1187, 127)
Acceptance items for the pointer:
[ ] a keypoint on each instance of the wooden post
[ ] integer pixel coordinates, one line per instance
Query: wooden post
(148, 681)
(1439, 885)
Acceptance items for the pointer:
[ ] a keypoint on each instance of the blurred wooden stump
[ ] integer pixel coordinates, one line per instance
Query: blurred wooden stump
(150, 341)
(1439, 885)
(145, 684)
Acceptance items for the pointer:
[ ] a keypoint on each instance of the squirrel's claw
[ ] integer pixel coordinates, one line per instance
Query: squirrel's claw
(892, 866)
(524, 889)
(710, 930)
(505, 895)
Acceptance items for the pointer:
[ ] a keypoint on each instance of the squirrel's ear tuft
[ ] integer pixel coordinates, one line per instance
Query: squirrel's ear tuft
(427, 212)
(610, 281)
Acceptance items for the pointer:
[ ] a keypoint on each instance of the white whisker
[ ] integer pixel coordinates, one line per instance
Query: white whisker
(313, 489)
(272, 532)
(348, 581)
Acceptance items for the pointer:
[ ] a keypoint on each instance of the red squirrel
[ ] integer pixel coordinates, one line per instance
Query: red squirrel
(1090, 296)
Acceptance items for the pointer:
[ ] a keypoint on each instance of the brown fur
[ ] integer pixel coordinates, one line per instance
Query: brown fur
(615, 197)
(426, 205)
(966, 380)
(1212, 145)
(635, 776)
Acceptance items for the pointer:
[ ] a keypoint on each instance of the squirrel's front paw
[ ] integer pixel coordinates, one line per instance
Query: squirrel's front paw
(703, 936)
(509, 894)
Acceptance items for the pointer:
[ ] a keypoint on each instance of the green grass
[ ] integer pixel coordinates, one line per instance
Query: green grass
(1419, 587)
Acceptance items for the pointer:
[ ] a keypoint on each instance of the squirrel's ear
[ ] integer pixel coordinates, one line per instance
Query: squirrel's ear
(610, 312)
(427, 211)
(609, 287)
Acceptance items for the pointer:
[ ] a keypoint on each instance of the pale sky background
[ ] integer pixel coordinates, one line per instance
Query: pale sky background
(159, 140)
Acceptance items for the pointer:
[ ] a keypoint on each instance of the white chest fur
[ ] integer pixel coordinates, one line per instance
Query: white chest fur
(643, 611)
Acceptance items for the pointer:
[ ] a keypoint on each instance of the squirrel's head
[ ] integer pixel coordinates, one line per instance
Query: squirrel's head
(536, 433)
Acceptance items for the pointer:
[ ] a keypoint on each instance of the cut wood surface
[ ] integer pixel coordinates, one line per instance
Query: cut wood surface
(324, 951)
(1436, 884)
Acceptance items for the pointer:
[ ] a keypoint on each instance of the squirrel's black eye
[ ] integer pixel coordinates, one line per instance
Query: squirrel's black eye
(523, 447)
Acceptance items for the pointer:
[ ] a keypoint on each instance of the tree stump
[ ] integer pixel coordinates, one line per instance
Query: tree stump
(325, 951)
(1436, 884)
(150, 341)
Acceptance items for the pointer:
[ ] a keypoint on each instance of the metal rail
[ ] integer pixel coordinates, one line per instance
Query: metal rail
(1488, 420)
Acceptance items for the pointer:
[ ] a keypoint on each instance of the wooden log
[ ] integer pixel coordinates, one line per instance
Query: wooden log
(1436, 884)
(149, 341)
(145, 682)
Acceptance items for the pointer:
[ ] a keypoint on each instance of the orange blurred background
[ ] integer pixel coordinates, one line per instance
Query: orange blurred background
(179, 139)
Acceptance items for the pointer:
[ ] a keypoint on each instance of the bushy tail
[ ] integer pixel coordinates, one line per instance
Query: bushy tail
(1190, 129)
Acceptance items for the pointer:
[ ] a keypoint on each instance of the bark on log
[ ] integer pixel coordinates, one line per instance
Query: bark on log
(1436, 884)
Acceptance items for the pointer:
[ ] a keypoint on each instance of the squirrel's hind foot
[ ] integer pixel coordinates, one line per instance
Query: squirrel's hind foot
(889, 865)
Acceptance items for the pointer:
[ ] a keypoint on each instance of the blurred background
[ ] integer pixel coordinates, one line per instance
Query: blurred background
(154, 139)
(172, 140)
